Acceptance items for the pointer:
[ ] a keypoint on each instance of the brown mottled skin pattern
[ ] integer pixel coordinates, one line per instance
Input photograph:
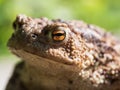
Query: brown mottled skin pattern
(79, 57)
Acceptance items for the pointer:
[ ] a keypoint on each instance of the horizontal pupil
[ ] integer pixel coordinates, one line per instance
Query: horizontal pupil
(58, 34)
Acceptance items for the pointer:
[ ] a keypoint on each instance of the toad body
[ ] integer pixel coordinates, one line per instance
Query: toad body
(63, 55)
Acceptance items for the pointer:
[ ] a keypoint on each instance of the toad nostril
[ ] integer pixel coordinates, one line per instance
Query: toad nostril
(34, 36)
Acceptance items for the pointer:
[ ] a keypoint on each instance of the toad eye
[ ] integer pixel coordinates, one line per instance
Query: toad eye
(58, 35)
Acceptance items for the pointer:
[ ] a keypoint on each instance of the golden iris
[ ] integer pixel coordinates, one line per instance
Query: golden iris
(58, 35)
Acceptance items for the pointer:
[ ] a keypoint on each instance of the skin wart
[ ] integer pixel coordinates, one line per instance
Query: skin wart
(63, 55)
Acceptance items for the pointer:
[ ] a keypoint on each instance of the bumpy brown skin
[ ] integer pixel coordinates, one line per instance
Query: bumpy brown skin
(87, 59)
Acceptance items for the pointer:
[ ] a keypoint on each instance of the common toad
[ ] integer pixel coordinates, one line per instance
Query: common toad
(63, 55)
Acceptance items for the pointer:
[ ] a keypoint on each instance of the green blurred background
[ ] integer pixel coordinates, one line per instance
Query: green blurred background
(104, 13)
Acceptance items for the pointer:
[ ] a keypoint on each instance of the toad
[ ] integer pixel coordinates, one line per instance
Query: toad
(63, 55)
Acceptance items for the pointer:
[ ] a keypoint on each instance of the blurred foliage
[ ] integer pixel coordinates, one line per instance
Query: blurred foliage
(105, 13)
